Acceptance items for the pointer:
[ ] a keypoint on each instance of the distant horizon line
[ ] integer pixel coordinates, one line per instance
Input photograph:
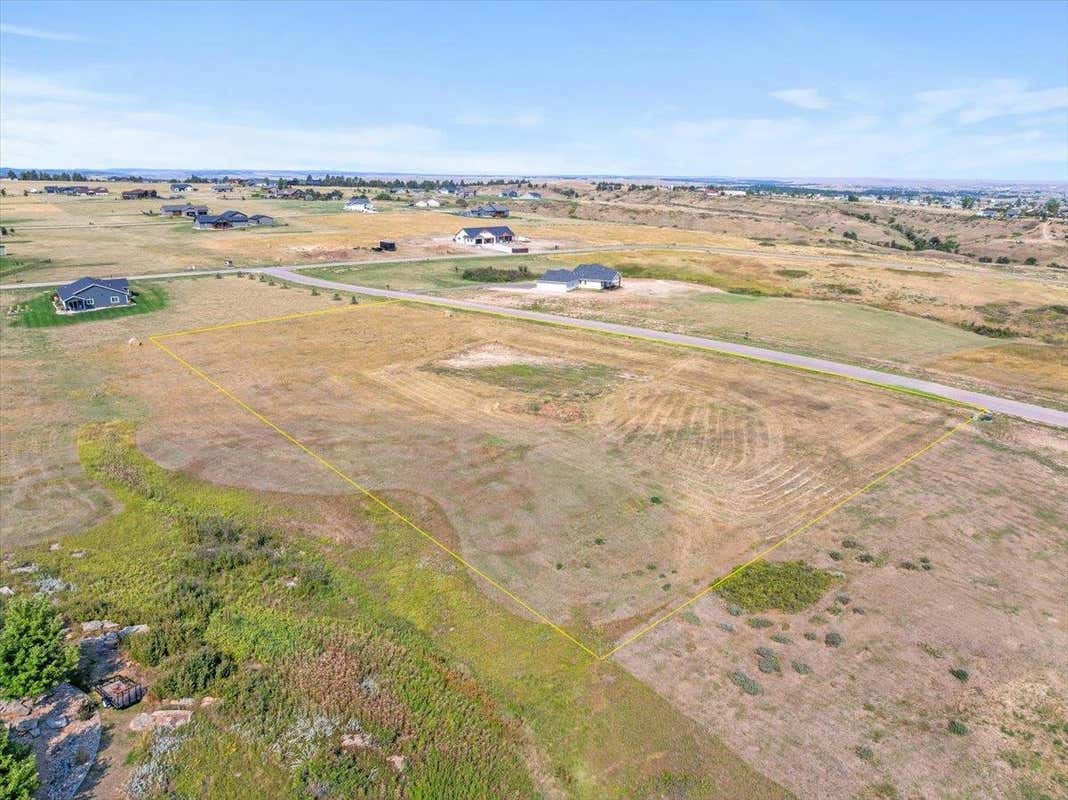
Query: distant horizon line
(786, 179)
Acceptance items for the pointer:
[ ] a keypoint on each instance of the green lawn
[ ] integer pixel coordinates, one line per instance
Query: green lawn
(428, 275)
(40, 313)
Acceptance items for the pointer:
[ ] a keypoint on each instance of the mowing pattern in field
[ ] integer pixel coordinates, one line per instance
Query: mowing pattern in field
(601, 480)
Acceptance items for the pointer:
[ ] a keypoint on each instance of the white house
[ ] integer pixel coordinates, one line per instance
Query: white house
(361, 204)
(493, 234)
(428, 202)
(584, 276)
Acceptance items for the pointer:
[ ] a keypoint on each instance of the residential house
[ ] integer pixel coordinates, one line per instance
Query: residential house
(495, 234)
(181, 188)
(182, 210)
(509, 193)
(221, 187)
(428, 202)
(490, 210)
(138, 194)
(223, 221)
(360, 203)
(584, 276)
(261, 219)
(93, 294)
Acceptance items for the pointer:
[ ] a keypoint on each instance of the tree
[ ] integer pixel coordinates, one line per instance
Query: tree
(1053, 206)
(967, 202)
(18, 770)
(33, 658)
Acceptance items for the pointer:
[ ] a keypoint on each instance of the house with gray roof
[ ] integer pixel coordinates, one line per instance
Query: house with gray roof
(217, 222)
(181, 187)
(489, 210)
(360, 203)
(584, 276)
(182, 210)
(93, 294)
(261, 219)
(494, 234)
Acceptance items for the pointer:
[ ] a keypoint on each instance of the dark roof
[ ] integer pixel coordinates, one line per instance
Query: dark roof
(226, 216)
(496, 230)
(182, 207)
(358, 201)
(595, 272)
(558, 276)
(261, 216)
(181, 186)
(117, 284)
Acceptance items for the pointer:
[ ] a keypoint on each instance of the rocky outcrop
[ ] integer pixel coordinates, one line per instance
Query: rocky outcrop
(63, 728)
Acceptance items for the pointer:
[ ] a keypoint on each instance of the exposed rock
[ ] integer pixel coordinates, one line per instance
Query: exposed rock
(184, 702)
(130, 630)
(48, 585)
(357, 741)
(13, 708)
(78, 554)
(142, 722)
(25, 569)
(54, 546)
(208, 702)
(6, 591)
(171, 719)
(397, 762)
(94, 625)
(64, 743)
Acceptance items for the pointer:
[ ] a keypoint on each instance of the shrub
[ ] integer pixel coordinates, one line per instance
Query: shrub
(18, 769)
(495, 274)
(1030, 261)
(149, 647)
(785, 585)
(865, 558)
(656, 500)
(801, 668)
(908, 565)
(810, 635)
(781, 638)
(835, 555)
(768, 662)
(745, 683)
(33, 658)
(858, 610)
(759, 622)
(195, 673)
(852, 544)
(832, 639)
(960, 674)
(844, 599)
(957, 728)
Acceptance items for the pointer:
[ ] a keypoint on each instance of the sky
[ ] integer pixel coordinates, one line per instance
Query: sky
(762, 89)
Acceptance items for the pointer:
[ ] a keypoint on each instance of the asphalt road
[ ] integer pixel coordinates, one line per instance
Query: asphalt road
(1000, 405)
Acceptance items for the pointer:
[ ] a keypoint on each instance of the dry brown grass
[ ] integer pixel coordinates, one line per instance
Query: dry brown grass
(538, 470)
(987, 510)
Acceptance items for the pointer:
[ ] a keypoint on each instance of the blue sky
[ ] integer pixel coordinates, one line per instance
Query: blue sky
(957, 90)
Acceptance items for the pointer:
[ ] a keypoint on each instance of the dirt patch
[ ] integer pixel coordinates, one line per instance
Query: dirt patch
(497, 355)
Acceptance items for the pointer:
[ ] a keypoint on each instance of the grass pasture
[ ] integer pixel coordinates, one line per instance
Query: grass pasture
(602, 484)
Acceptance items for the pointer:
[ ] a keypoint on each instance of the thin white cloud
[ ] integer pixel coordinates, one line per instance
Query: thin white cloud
(38, 33)
(990, 100)
(530, 118)
(808, 99)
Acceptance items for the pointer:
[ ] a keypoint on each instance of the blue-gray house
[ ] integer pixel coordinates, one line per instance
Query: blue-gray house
(93, 294)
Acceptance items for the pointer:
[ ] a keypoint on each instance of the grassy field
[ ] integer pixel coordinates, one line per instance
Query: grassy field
(40, 312)
(544, 448)
(320, 638)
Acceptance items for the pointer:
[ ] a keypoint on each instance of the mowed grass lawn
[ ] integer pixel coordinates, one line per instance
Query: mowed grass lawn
(429, 275)
(40, 313)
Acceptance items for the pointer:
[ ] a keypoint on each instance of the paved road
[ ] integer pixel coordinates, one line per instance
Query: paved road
(1027, 411)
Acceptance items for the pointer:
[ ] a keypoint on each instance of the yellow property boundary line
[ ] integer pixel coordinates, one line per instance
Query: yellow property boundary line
(156, 340)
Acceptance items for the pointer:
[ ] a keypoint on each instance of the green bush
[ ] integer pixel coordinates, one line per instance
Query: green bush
(864, 753)
(957, 728)
(801, 668)
(787, 586)
(759, 622)
(745, 683)
(194, 673)
(832, 639)
(960, 674)
(33, 658)
(768, 661)
(781, 638)
(18, 769)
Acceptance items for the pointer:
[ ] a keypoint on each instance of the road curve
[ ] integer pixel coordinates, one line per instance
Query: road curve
(1001, 405)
